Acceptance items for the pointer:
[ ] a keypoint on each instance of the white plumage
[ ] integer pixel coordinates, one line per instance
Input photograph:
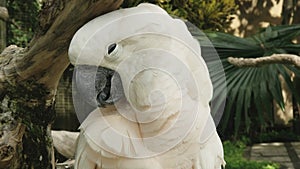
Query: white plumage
(164, 122)
(190, 153)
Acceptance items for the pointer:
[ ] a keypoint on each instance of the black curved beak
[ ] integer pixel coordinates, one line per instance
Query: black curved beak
(97, 86)
(108, 86)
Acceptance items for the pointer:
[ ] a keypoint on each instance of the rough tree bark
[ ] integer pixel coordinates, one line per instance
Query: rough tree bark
(28, 81)
(3, 18)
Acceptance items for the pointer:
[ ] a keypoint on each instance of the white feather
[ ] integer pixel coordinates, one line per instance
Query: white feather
(65, 142)
(171, 106)
(191, 153)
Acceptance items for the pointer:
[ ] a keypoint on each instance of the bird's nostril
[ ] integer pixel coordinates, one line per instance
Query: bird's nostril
(111, 48)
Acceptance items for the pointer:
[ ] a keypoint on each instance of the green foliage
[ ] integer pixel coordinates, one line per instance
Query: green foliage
(233, 152)
(24, 17)
(252, 90)
(205, 14)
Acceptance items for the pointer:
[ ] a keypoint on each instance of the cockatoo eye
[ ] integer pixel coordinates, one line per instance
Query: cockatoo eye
(113, 51)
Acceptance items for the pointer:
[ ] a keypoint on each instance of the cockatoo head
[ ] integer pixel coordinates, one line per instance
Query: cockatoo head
(118, 37)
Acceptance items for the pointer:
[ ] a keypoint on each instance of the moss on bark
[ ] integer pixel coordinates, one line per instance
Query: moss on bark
(27, 102)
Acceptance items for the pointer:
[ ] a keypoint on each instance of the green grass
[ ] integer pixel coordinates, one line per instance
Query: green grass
(235, 160)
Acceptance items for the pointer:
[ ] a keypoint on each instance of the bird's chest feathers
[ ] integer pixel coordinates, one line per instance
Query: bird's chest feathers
(150, 119)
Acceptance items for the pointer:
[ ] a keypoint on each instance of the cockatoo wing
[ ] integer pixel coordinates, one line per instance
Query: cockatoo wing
(211, 153)
(90, 155)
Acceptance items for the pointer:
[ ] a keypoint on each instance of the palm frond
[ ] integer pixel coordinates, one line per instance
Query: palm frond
(251, 91)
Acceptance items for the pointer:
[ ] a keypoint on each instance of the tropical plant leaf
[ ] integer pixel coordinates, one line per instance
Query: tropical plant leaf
(251, 91)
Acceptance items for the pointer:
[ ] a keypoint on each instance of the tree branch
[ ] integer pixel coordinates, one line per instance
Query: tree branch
(42, 62)
(4, 13)
(275, 58)
(9, 145)
(45, 59)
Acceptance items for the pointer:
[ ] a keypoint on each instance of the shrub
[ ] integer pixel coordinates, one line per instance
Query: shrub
(205, 14)
(234, 158)
(24, 17)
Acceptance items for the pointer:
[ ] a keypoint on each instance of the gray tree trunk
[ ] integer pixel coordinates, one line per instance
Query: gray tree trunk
(29, 78)
(3, 25)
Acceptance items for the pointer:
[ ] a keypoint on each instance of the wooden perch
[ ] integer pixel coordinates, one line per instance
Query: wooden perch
(275, 58)
(66, 164)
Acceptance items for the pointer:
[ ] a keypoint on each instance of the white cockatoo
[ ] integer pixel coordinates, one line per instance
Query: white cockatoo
(162, 118)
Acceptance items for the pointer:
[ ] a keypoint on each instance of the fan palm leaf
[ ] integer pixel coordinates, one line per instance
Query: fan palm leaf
(251, 91)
